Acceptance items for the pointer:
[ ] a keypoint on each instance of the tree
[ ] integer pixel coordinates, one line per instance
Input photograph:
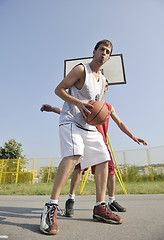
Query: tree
(12, 150)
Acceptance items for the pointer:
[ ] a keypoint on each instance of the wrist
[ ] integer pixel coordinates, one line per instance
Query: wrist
(77, 102)
(133, 137)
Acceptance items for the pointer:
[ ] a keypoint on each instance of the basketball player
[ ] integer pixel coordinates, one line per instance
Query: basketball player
(79, 139)
(76, 175)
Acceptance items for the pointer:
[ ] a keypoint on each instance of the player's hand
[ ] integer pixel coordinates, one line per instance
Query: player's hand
(139, 140)
(46, 107)
(84, 106)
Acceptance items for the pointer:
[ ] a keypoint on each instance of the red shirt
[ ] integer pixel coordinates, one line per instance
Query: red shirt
(103, 129)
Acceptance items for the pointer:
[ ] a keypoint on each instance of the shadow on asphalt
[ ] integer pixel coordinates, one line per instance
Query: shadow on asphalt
(31, 213)
(23, 213)
(19, 212)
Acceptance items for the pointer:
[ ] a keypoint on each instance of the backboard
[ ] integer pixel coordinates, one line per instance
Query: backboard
(113, 69)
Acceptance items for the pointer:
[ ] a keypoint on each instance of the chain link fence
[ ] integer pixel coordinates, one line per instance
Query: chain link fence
(145, 163)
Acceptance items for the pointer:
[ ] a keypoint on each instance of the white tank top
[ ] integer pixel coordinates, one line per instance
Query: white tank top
(92, 89)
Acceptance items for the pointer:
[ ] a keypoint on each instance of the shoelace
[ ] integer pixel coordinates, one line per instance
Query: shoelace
(53, 207)
(110, 212)
(60, 211)
(51, 211)
(107, 210)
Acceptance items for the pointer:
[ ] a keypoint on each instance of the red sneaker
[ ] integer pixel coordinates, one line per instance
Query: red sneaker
(102, 213)
(48, 223)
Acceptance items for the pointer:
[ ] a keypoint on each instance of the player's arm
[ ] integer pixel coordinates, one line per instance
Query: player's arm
(75, 77)
(49, 108)
(124, 128)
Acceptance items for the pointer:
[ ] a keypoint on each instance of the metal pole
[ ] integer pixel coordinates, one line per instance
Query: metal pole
(33, 176)
(126, 171)
(1, 171)
(49, 170)
(150, 167)
(18, 162)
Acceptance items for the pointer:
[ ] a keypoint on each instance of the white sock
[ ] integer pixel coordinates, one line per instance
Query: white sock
(52, 201)
(111, 199)
(98, 203)
(71, 196)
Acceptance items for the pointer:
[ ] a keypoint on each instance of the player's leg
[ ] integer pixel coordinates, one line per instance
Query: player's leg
(101, 211)
(112, 204)
(101, 173)
(71, 146)
(48, 222)
(111, 185)
(63, 173)
(111, 179)
(76, 176)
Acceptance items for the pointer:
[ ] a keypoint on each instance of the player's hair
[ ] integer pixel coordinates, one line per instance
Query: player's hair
(105, 42)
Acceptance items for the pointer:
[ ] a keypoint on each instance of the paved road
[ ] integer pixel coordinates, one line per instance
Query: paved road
(144, 219)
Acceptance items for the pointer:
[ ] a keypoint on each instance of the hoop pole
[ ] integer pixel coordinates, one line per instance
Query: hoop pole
(119, 174)
(84, 181)
(119, 179)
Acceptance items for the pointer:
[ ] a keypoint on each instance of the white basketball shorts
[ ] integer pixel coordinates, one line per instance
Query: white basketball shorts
(88, 144)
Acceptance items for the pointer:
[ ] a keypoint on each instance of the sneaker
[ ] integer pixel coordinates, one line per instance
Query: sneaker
(114, 206)
(69, 208)
(48, 223)
(102, 213)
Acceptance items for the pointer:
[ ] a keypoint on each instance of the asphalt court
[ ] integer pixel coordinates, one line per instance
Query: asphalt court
(144, 219)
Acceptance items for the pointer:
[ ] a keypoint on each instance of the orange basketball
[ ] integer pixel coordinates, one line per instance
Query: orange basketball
(99, 113)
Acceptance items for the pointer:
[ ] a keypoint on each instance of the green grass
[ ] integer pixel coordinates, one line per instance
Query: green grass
(146, 187)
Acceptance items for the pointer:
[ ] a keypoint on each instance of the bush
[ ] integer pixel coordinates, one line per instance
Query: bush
(133, 174)
(48, 174)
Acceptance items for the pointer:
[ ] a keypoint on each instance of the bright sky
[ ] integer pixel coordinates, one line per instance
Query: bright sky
(35, 39)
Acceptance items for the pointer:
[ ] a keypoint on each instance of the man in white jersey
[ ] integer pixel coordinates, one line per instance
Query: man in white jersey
(79, 139)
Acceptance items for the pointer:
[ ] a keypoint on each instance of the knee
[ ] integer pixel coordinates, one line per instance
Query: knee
(101, 168)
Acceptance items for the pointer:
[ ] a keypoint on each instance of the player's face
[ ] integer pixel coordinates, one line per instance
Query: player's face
(102, 54)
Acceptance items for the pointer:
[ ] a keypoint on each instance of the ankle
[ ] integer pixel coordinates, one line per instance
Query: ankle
(53, 201)
(99, 203)
(71, 196)
(111, 199)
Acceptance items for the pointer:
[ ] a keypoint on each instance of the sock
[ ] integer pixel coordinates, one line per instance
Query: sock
(111, 199)
(71, 196)
(99, 203)
(52, 201)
